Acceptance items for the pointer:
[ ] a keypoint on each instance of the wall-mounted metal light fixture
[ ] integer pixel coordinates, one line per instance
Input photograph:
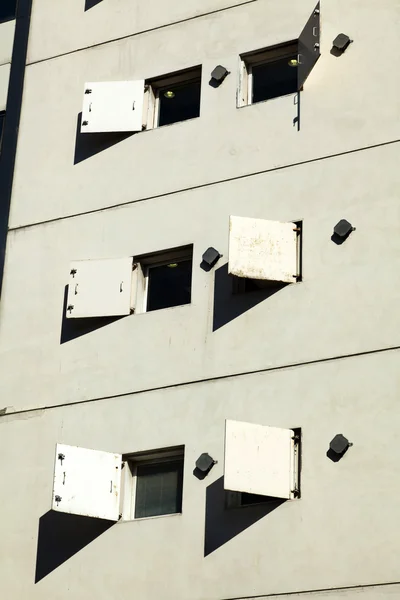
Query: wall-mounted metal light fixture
(204, 464)
(341, 231)
(338, 447)
(210, 257)
(340, 44)
(218, 75)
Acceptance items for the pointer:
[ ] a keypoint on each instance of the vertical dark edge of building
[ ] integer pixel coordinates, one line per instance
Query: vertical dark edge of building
(12, 119)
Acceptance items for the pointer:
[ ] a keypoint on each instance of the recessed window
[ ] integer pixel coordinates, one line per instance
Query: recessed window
(153, 483)
(165, 279)
(269, 74)
(280, 70)
(7, 10)
(173, 98)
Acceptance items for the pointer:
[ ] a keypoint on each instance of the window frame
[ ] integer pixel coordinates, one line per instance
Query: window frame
(146, 262)
(130, 464)
(256, 58)
(155, 86)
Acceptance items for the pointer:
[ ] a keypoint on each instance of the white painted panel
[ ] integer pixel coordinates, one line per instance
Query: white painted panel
(6, 41)
(112, 106)
(259, 459)
(4, 78)
(87, 482)
(260, 249)
(100, 288)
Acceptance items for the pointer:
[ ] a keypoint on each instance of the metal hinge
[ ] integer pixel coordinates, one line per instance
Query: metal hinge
(88, 91)
(85, 123)
(57, 499)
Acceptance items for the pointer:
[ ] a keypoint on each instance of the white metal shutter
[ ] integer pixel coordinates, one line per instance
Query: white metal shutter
(309, 47)
(87, 482)
(100, 288)
(260, 249)
(4, 78)
(259, 459)
(112, 106)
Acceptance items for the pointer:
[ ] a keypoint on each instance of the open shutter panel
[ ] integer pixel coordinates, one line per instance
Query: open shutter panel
(309, 47)
(259, 460)
(111, 106)
(100, 288)
(260, 249)
(87, 482)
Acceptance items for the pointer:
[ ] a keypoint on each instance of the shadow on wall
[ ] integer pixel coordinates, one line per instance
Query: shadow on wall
(89, 144)
(60, 536)
(229, 306)
(74, 328)
(91, 3)
(221, 524)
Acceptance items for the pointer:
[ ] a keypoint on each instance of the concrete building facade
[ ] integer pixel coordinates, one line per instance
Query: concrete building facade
(320, 355)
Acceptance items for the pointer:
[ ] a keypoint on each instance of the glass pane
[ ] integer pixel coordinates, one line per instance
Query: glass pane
(274, 79)
(179, 102)
(169, 285)
(159, 489)
(7, 10)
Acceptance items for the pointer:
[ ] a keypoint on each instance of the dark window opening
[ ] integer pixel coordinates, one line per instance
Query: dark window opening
(174, 97)
(179, 103)
(274, 79)
(169, 284)
(8, 10)
(159, 489)
(248, 499)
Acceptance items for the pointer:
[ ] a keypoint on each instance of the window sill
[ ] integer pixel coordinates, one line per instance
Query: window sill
(7, 20)
(169, 124)
(294, 94)
(149, 312)
(121, 521)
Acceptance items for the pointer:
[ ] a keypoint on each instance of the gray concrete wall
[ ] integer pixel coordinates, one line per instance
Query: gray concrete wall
(344, 107)
(327, 348)
(342, 532)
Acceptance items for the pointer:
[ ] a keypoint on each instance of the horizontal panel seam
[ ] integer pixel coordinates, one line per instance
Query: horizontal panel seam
(201, 186)
(316, 591)
(317, 361)
(142, 32)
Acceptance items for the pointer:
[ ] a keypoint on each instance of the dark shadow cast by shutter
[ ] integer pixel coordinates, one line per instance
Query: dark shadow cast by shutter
(89, 144)
(74, 328)
(91, 3)
(229, 306)
(222, 524)
(60, 536)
